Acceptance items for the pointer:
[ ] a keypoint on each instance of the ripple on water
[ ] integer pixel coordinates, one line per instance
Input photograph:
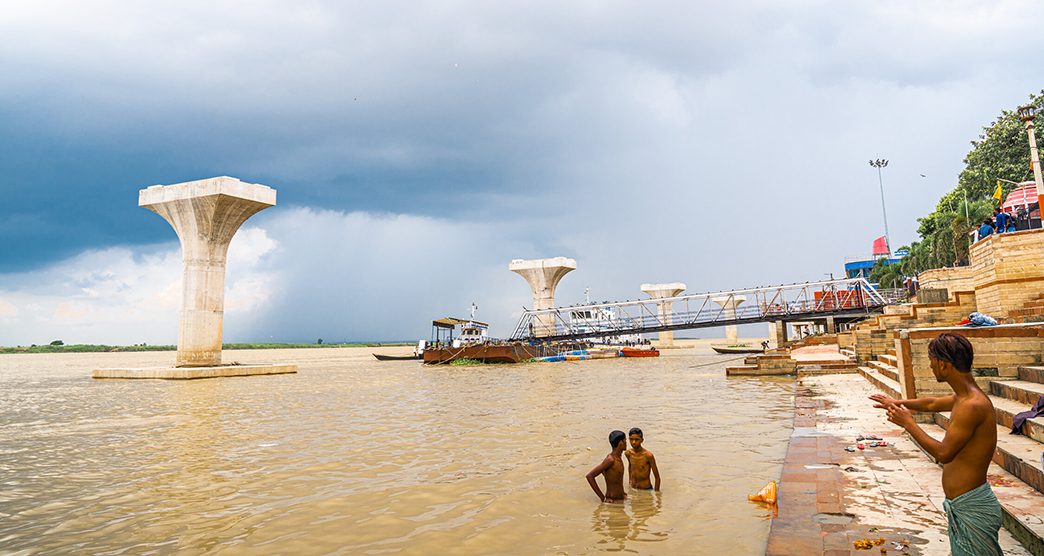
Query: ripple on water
(354, 456)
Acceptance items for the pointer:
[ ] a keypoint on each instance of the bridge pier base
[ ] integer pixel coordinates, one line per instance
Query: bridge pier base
(831, 328)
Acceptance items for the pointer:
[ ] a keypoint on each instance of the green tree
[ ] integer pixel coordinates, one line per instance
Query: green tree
(57, 343)
(1001, 152)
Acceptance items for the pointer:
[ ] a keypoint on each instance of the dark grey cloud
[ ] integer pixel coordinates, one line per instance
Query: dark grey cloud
(721, 145)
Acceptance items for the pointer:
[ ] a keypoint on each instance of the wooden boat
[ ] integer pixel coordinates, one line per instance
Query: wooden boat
(737, 349)
(487, 353)
(640, 352)
(397, 357)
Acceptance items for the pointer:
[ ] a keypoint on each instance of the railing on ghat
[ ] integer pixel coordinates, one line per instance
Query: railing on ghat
(844, 297)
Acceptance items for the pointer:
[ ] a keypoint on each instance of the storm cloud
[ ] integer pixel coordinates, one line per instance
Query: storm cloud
(417, 147)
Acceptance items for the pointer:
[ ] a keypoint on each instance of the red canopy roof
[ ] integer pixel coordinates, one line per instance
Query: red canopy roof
(1023, 195)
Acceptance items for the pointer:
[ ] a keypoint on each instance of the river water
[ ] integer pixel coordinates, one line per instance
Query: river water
(352, 456)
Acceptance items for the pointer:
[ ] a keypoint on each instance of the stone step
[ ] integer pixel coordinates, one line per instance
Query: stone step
(1019, 390)
(1006, 410)
(890, 351)
(847, 352)
(889, 386)
(834, 369)
(1022, 504)
(890, 359)
(1019, 455)
(1032, 374)
(886, 369)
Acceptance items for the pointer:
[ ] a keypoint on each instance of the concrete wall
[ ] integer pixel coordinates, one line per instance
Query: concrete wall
(1008, 271)
(876, 336)
(845, 339)
(958, 279)
(999, 352)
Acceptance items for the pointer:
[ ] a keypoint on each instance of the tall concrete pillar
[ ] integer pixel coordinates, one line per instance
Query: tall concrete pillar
(660, 291)
(831, 327)
(543, 276)
(205, 214)
(779, 333)
(729, 304)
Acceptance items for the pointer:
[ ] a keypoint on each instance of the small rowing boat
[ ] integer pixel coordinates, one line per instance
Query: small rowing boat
(737, 349)
(398, 357)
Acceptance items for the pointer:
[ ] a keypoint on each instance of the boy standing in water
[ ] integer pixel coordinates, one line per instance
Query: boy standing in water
(612, 468)
(640, 462)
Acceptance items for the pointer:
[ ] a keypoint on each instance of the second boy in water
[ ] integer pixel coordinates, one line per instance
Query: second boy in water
(640, 462)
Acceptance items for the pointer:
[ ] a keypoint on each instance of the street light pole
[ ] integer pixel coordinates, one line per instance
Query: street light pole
(1027, 113)
(881, 163)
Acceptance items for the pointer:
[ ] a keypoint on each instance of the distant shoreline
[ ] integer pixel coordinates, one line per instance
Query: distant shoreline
(101, 348)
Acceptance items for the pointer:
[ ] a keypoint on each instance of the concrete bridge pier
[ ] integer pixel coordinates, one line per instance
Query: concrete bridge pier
(778, 332)
(729, 304)
(660, 291)
(543, 276)
(206, 215)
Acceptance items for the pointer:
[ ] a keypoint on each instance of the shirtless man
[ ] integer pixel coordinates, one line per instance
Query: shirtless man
(612, 468)
(972, 510)
(640, 461)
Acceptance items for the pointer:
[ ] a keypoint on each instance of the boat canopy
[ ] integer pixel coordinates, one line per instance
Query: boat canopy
(450, 322)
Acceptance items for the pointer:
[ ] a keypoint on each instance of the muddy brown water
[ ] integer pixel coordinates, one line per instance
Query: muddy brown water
(355, 456)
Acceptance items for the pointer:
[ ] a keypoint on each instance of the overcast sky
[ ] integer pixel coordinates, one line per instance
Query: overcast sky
(418, 147)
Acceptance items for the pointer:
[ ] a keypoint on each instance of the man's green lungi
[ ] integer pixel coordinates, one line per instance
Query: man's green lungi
(974, 519)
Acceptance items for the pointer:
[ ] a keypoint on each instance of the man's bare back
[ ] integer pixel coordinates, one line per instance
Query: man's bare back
(612, 469)
(614, 475)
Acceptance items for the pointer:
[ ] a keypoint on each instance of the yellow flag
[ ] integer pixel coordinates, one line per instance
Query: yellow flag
(999, 193)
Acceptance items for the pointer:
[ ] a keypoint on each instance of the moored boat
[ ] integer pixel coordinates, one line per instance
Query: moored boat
(380, 357)
(640, 352)
(486, 353)
(737, 349)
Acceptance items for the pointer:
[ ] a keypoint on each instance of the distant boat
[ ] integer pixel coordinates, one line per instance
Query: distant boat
(639, 352)
(398, 357)
(737, 349)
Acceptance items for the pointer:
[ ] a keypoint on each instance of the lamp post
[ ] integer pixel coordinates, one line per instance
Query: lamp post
(881, 163)
(1027, 113)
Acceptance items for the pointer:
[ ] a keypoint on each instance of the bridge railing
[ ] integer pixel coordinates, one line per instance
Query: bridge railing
(785, 302)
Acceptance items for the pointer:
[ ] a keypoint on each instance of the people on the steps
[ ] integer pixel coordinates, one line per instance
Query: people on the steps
(986, 229)
(972, 512)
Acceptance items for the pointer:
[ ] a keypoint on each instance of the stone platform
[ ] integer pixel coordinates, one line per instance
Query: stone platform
(189, 373)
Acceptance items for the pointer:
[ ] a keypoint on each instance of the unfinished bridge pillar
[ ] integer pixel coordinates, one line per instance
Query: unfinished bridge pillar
(205, 214)
(778, 332)
(728, 304)
(660, 291)
(543, 276)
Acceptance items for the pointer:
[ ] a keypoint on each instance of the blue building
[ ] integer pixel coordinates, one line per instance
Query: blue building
(860, 268)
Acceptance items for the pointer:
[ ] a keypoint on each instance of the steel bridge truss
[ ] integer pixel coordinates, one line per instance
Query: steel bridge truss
(793, 302)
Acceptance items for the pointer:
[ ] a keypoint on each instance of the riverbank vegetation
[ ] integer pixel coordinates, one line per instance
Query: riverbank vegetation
(55, 347)
(1001, 152)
